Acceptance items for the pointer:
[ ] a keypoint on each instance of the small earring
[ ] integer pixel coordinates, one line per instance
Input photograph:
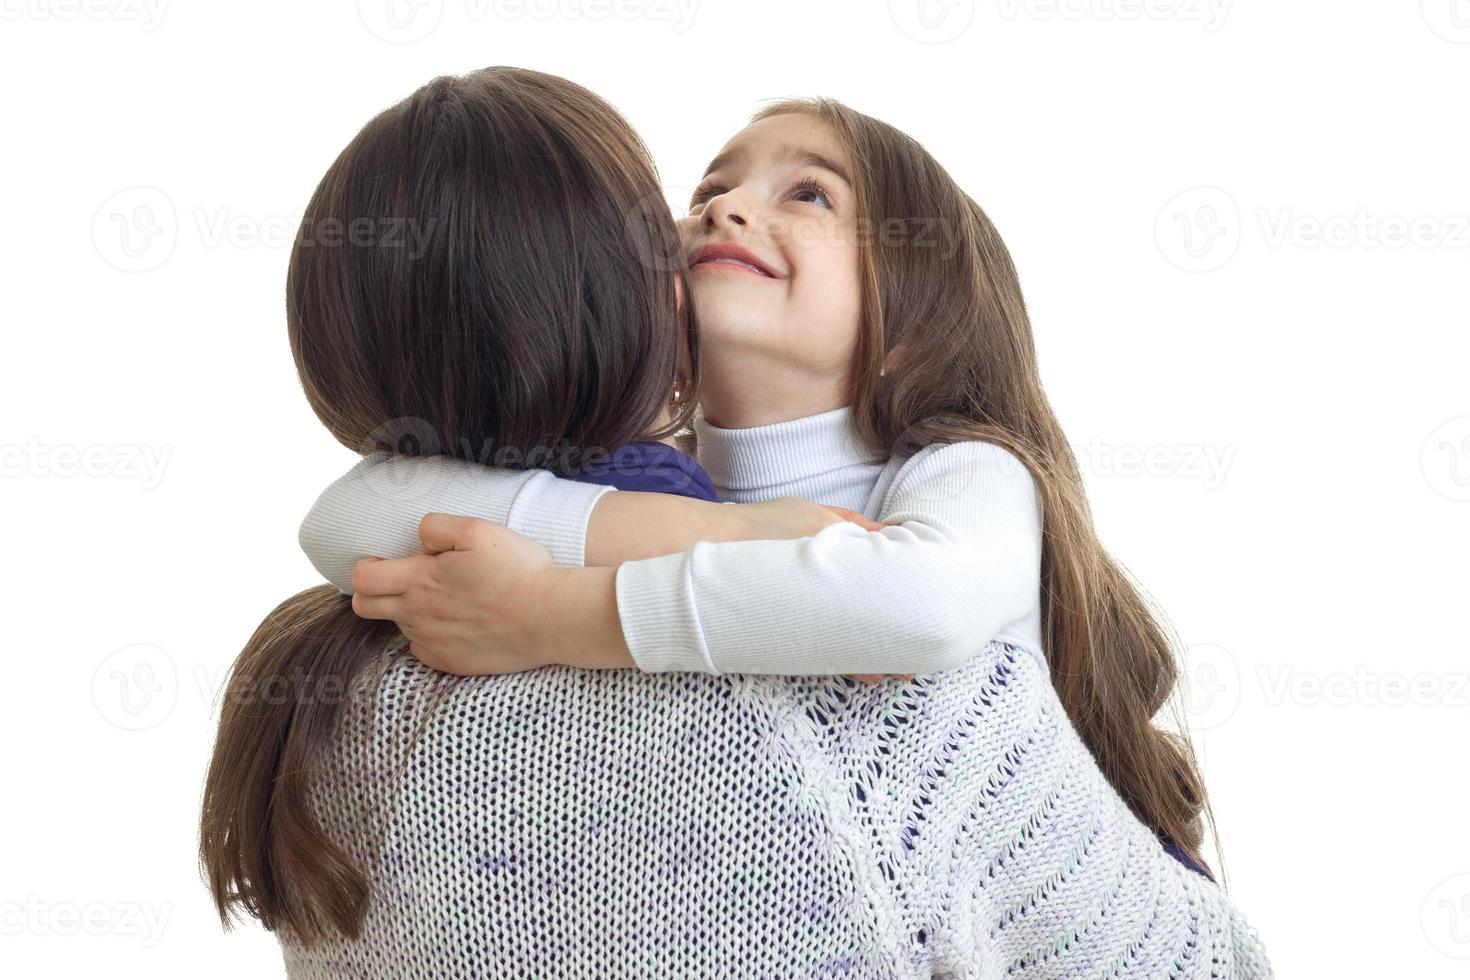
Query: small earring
(882, 371)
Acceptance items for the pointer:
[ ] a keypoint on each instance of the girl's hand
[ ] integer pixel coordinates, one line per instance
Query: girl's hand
(858, 519)
(468, 604)
(875, 678)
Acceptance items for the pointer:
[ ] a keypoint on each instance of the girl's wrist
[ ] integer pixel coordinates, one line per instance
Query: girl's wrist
(577, 622)
(728, 522)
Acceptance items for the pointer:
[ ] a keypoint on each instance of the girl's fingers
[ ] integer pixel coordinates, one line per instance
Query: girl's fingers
(861, 521)
(451, 532)
(393, 607)
(380, 577)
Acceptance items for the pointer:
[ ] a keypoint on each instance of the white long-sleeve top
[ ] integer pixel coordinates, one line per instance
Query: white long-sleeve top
(959, 567)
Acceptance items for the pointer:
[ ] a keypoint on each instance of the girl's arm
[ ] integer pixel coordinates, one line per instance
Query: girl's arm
(375, 508)
(961, 561)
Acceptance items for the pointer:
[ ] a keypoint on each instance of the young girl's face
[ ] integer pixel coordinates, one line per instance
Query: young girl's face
(773, 253)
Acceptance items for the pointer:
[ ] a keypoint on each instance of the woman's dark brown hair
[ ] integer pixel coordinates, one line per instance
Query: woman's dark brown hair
(965, 368)
(486, 271)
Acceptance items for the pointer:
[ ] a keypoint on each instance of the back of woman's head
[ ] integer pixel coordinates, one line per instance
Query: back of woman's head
(483, 272)
(477, 275)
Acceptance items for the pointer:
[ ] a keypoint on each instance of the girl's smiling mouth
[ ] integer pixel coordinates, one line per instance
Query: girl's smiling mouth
(733, 257)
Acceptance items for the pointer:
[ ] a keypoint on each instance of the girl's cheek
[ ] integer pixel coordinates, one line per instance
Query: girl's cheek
(810, 234)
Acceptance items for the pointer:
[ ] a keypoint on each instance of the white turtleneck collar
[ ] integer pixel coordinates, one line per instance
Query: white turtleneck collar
(818, 457)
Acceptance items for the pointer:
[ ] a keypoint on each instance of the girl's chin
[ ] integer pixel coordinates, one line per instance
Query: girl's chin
(730, 326)
(731, 309)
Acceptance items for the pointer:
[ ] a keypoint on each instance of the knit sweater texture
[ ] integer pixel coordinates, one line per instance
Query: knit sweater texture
(626, 823)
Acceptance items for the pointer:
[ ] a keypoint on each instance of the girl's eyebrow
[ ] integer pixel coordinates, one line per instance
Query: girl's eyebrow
(785, 153)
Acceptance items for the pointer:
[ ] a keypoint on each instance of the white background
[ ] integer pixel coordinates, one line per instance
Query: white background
(1244, 234)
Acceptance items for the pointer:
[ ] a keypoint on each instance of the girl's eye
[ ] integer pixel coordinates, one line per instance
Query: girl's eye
(703, 195)
(810, 192)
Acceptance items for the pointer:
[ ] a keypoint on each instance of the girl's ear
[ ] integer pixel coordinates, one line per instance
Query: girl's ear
(679, 294)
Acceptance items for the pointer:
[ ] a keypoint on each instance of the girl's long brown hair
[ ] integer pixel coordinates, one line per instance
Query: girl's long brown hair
(940, 288)
(486, 271)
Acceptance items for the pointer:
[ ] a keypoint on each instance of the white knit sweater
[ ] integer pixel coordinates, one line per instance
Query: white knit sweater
(622, 823)
(960, 566)
(602, 824)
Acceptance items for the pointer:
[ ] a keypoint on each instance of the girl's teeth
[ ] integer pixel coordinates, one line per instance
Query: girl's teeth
(743, 265)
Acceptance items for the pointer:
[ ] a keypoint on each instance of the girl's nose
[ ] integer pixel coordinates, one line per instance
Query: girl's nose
(724, 209)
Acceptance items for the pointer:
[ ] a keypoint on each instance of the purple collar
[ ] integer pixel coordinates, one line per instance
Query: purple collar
(652, 467)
